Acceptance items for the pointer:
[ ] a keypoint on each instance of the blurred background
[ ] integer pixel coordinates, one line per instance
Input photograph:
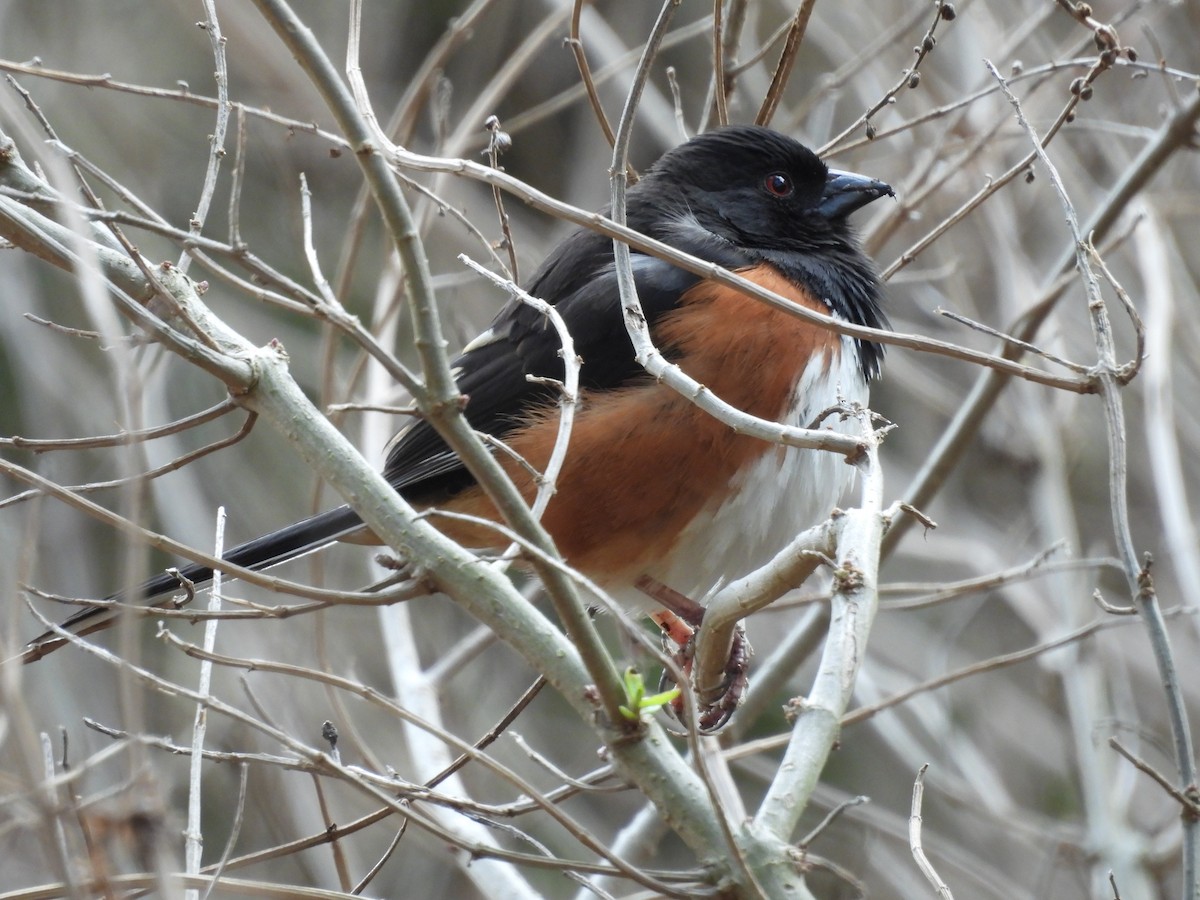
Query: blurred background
(1025, 797)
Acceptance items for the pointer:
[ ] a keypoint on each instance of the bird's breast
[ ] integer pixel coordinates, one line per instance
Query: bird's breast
(770, 499)
(654, 485)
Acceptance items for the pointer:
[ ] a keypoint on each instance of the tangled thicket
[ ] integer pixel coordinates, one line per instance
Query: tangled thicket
(1060, 478)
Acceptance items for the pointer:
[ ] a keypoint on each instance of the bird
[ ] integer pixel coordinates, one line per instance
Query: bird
(653, 489)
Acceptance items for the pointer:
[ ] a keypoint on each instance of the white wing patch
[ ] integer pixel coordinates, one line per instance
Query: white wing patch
(481, 340)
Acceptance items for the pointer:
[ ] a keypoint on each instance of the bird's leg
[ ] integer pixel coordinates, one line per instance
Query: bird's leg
(679, 619)
(673, 627)
(679, 644)
(714, 714)
(678, 604)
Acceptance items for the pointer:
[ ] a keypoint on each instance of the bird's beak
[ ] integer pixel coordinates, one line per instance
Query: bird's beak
(845, 192)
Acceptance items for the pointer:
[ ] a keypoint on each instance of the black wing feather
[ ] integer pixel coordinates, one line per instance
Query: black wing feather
(494, 377)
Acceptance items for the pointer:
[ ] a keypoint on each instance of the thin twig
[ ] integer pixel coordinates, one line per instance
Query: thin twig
(235, 831)
(121, 439)
(910, 79)
(575, 42)
(194, 844)
(787, 59)
(488, 738)
(677, 102)
(830, 817)
(107, 82)
(1190, 805)
(237, 177)
(718, 56)
(382, 861)
(448, 209)
(862, 713)
(1010, 340)
(914, 837)
(564, 99)
(174, 465)
(498, 142)
(1176, 134)
(216, 150)
(724, 277)
(569, 400)
(1035, 568)
(1141, 587)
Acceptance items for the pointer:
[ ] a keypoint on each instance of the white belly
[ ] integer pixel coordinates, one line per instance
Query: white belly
(781, 494)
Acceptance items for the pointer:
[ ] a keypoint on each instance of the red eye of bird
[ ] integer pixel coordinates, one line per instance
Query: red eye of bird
(778, 185)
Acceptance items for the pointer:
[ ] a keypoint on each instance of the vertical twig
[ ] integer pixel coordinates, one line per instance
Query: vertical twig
(575, 42)
(677, 102)
(51, 808)
(216, 150)
(194, 835)
(787, 59)
(236, 177)
(498, 142)
(718, 53)
(235, 830)
(731, 37)
(1137, 572)
(310, 251)
(853, 606)
(1154, 258)
(914, 837)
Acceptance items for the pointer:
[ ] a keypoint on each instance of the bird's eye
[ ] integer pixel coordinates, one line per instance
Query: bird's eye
(779, 185)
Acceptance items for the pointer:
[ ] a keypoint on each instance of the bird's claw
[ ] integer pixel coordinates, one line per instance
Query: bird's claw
(679, 642)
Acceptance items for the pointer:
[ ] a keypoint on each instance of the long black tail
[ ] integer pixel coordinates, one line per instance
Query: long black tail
(261, 553)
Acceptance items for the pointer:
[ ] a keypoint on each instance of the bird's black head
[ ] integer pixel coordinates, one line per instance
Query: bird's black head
(757, 189)
(744, 195)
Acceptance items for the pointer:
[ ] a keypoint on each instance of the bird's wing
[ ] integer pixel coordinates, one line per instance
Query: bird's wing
(494, 371)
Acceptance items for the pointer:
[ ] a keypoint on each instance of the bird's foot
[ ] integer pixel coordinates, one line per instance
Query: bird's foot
(679, 620)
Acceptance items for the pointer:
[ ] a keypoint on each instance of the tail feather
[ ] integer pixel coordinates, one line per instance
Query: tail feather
(261, 553)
